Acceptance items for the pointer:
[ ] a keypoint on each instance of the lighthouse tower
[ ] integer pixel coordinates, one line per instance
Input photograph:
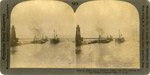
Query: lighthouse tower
(78, 36)
(13, 38)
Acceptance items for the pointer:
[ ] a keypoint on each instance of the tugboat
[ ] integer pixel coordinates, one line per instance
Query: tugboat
(13, 38)
(54, 40)
(120, 39)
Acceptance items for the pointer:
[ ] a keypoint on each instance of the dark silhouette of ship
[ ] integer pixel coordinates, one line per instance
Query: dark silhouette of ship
(120, 39)
(39, 41)
(102, 40)
(13, 38)
(55, 40)
(105, 40)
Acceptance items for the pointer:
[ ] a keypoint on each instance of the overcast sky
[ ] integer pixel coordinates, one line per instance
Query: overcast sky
(95, 17)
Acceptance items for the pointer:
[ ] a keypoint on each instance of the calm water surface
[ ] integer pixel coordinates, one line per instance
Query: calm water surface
(63, 55)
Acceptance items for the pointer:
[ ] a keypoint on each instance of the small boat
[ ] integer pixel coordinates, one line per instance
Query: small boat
(101, 40)
(55, 40)
(120, 39)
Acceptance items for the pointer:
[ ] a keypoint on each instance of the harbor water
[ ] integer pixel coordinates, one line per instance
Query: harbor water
(66, 55)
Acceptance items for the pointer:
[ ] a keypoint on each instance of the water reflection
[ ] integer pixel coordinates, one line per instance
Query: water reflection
(78, 50)
(78, 55)
(13, 50)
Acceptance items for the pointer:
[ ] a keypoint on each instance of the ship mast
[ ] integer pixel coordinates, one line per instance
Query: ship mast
(55, 34)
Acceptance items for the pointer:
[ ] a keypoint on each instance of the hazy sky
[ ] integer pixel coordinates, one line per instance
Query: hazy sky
(94, 17)
(42, 17)
(107, 18)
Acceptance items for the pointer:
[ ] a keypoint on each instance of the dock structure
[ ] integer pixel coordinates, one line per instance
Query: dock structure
(13, 38)
(78, 36)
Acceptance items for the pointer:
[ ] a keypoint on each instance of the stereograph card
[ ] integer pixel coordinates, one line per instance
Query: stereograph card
(75, 37)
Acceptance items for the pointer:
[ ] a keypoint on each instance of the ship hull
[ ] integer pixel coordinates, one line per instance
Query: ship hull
(39, 42)
(120, 40)
(54, 41)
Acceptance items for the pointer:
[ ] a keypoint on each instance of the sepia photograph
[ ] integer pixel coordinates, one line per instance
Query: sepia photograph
(50, 34)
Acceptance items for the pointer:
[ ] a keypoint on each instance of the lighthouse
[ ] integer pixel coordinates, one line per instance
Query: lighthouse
(78, 36)
(13, 38)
